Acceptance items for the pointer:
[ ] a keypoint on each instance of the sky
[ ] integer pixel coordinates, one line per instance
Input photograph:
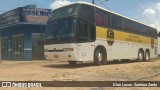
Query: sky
(145, 11)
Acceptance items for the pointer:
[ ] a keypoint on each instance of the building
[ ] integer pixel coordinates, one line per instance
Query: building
(21, 31)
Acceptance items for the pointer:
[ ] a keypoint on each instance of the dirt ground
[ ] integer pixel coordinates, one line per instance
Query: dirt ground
(62, 71)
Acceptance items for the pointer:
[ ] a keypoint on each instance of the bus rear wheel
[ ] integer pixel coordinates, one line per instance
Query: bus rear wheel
(147, 56)
(140, 56)
(72, 63)
(99, 57)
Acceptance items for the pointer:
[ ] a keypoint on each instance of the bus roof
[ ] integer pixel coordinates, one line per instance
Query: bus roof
(80, 2)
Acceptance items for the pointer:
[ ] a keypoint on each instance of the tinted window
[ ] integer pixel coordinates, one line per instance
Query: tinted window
(155, 34)
(102, 19)
(70, 10)
(152, 32)
(143, 30)
(86, 31)
(116, 22)
(61, 30)
(87, 12)
(127, 25)
(82, 31)
(149, 32)
(92, 32)
(136, 28)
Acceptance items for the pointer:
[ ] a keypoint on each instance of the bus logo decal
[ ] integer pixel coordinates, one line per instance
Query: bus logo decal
(110, 37)
(70, 10)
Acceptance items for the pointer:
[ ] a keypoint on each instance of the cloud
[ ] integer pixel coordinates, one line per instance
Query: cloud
(149, 12)
(152, 15)
(59, 3)
(158, 6)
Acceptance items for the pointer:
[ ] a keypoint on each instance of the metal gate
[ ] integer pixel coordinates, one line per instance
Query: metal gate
(37, 46)
(18, 47)
(4, 48)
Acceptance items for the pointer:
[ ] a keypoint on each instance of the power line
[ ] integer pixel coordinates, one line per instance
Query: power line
(100, 2)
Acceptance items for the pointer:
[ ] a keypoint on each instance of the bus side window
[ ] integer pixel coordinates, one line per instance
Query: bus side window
(116, 22)
(155, 34)
(82, 31)
(143, 30)
(102, 19)
(127, 25)
(99, 19)
(87, 12)
(136, 28)
(86, 31)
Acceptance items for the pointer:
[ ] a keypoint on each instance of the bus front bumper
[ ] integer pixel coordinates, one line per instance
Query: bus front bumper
(61, 56)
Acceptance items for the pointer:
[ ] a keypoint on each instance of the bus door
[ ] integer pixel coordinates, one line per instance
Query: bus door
(86, 36)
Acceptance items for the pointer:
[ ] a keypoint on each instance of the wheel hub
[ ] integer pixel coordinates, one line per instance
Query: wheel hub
(147, 57)
(140, 56)
(99, 56)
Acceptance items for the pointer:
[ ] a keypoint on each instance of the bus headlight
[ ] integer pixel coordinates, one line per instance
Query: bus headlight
(68, 49)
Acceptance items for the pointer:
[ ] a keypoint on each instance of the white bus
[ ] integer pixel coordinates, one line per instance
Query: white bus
(85, 32)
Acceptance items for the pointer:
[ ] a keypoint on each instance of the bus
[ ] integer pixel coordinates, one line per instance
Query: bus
(83, 32)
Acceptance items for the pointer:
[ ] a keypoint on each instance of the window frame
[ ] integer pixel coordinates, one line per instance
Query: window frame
(127, 29)
(112, 18)
(80, 14)
(105, 18)
(89, 31)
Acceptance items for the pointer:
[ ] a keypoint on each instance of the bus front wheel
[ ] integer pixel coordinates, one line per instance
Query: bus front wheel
(72, 63)
(99, 57)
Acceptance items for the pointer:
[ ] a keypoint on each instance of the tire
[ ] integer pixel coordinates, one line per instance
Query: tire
(140, 56)
(72, 63)
(99, 57)
(147, 56)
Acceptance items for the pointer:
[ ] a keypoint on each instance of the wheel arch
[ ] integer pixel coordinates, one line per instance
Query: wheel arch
(141, 49)
(103, 49)
(147, 50)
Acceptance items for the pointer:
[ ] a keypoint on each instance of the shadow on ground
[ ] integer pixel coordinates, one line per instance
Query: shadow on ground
(83, 65)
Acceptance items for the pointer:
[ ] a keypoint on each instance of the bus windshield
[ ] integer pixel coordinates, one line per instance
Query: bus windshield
(71, 10)
(67, 26)
(61, 30)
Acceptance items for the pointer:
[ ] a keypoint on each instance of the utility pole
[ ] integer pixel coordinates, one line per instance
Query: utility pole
(99, 1)
(92, 1)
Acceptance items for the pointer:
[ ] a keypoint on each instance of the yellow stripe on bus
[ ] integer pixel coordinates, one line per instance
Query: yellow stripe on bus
(101, 32)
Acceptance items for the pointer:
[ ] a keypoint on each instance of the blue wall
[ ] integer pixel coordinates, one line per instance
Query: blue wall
(27, 45)
(27, 30)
